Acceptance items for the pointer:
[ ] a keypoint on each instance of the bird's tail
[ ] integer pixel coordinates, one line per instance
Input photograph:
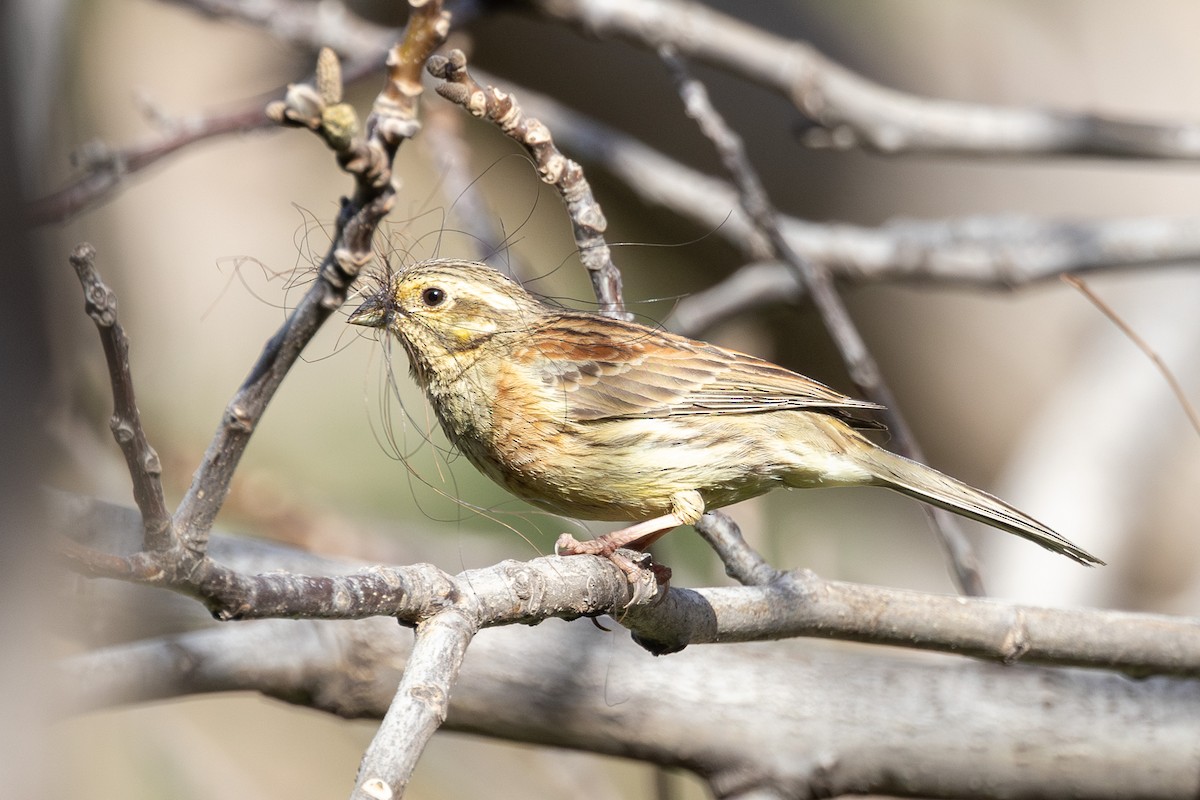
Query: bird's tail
(929, 485)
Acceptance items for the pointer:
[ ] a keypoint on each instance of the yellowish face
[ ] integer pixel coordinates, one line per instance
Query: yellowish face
(446, 307)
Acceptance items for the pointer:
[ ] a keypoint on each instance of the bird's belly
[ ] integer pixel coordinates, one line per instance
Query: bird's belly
(628, 469)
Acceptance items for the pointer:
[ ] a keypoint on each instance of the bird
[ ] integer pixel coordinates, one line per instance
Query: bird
(600, 418)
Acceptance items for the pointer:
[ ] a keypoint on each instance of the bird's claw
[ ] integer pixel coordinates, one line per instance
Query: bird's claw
(649, 580)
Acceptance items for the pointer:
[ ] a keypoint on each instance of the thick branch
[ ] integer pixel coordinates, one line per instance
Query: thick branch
(801, 719)
(793, 604)
(855, 112)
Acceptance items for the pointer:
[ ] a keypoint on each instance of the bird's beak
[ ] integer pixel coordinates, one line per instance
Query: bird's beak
(371, 314)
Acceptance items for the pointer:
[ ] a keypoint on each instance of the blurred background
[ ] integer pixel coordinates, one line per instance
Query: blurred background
(1031, 394)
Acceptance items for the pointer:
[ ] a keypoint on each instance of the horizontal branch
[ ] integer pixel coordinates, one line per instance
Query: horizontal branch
(999, 251)
(852, 111)
(801, 719)
(792, 604)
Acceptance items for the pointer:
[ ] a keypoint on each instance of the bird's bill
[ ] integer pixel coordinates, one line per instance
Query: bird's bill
(370, 314)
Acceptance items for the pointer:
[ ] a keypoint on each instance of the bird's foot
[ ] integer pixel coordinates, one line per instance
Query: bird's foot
(649, 580)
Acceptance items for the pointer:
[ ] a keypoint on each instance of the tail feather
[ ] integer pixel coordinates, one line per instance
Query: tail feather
(927, 484)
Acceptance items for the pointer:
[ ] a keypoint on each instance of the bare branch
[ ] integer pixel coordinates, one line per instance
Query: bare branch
(145, 469)
(793, 604)
(741, 561)
(105, 170)
(325, 24)
(587, 218)
(855, 112)
(369, 161)
(807, 719)
(420, 706)
(999, 252)
(815, 277)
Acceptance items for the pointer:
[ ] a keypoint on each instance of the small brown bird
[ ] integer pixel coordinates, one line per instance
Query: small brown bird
(597, 418)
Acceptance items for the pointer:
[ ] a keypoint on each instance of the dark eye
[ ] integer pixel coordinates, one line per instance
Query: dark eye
(433, 296)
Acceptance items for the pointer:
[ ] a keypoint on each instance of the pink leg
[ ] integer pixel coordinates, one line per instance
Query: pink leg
(637, 536)
(686, 508)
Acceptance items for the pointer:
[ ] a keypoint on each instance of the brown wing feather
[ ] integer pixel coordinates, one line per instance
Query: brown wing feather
(640, 372)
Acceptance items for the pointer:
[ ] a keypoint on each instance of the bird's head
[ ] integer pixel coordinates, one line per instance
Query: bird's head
(448, 307)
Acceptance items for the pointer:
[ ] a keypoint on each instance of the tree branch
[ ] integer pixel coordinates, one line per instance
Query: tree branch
(990, 251)
(587, 219)
(815, 277)
(420, 706)
(852, 111)
(801, 719)
(790, 604)
(145, 469)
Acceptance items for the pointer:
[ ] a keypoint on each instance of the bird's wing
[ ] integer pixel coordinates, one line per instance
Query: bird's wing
(610, 369)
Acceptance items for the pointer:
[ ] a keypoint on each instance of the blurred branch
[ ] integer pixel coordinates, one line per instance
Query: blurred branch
(852, 111)
(941, 719)
(1177, 389)
(105, 170)
(325, 24)
(992, 251)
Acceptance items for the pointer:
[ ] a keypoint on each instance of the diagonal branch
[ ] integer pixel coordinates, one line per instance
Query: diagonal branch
(369, 160)
(815, 277)
(421, 703)
(587, 219)
(145, 469)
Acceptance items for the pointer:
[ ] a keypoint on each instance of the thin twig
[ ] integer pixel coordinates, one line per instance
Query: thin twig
(742, 562)
(106, 170)
(145, 469)
(369, 159)
(1168, 375)
(587, 218)
(861, 366)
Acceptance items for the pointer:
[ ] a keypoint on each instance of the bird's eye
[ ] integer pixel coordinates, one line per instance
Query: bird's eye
(433, 296)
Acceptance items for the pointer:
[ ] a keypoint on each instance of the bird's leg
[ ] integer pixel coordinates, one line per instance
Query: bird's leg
(686, 509)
